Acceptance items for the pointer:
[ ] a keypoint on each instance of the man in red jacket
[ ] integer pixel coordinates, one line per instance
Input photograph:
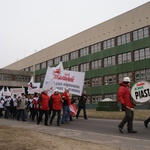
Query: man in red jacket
(56, 106)
(43, 106)
(124, 97)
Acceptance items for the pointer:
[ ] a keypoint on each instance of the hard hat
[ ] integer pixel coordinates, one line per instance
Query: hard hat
(56, 90)
(126, 79)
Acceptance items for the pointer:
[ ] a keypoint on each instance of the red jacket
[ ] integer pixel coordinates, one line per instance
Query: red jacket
(35, 103)
(124, 95)
(44, 100)
(65, 97)
(56, 102)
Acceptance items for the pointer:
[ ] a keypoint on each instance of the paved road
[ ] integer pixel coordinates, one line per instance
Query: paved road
(101, 131)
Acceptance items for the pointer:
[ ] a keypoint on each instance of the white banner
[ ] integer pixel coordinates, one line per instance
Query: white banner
(64, 78)
(33, 87)
(17, 91)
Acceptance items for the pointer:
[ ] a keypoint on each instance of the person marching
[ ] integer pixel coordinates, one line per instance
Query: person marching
(7, 100)
(146, 122)
(1, 106)
(22, 101)
(14, 105)
(56, 106)
(66, 109)
(43, 107)
(35, 106)
(124, 97)
(82, 105)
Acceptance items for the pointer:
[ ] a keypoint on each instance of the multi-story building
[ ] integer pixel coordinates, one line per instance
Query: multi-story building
(14, 78)
(107, 52)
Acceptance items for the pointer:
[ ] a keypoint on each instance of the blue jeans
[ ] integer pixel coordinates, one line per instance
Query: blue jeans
(66, 114)
(21, 112)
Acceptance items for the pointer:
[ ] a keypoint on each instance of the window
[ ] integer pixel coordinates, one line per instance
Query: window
(6, 77)
(95, 48)
(84, 51)
(142, 75)
(50, 63)
(74, 55)
(84, 67)
(124, 58)
(31, 68)
(122, 75)
(86, 83)
(20, 78)
(140, 33)
(65, 57)
(96, 99)
(96, 64)
(42, 77)
(110, 61)
(142, 54)
(110, 80)
(57, 60)
(108, 43)
(43, 65)
(37, 79)
(125, 38)
(88, 100)
(75, 68)
(97, 81)
(37, 67)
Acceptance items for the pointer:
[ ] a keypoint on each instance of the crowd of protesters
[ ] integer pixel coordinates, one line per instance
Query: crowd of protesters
(42, 107)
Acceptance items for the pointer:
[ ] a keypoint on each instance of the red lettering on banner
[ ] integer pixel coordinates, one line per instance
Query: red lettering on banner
(66, 77)
(140, 84)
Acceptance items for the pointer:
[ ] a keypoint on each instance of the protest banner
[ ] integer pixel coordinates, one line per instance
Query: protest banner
(65, 78)
(33, 87)
(7, 92)
(140, 91)
(17, 91)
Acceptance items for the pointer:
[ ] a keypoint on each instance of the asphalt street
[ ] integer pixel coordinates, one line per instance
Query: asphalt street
(102, 131)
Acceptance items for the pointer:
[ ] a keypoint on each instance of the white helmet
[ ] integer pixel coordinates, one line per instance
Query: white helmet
(126, 79)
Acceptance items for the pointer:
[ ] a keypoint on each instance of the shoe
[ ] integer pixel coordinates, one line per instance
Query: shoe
(86, 118)
(132, 131)
(120, 129)
(145, 124)
(76, 117)
(58, 125)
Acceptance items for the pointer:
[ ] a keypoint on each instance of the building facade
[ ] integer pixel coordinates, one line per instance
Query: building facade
(14, 78)
(106, 52)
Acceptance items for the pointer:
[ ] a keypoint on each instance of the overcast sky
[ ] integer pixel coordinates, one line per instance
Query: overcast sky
(27, 26)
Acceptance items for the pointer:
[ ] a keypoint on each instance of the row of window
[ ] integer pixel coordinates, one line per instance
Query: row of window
(143, 53)
(115, 79)
(19, 78)
(111, 79)
(110, 43)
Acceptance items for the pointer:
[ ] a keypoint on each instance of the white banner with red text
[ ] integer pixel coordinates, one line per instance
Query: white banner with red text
(65, 79)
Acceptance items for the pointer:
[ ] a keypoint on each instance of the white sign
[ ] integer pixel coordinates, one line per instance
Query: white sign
(17, 90)
(64, 78)
(33, 87)
(49, 86)
(141, 91)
